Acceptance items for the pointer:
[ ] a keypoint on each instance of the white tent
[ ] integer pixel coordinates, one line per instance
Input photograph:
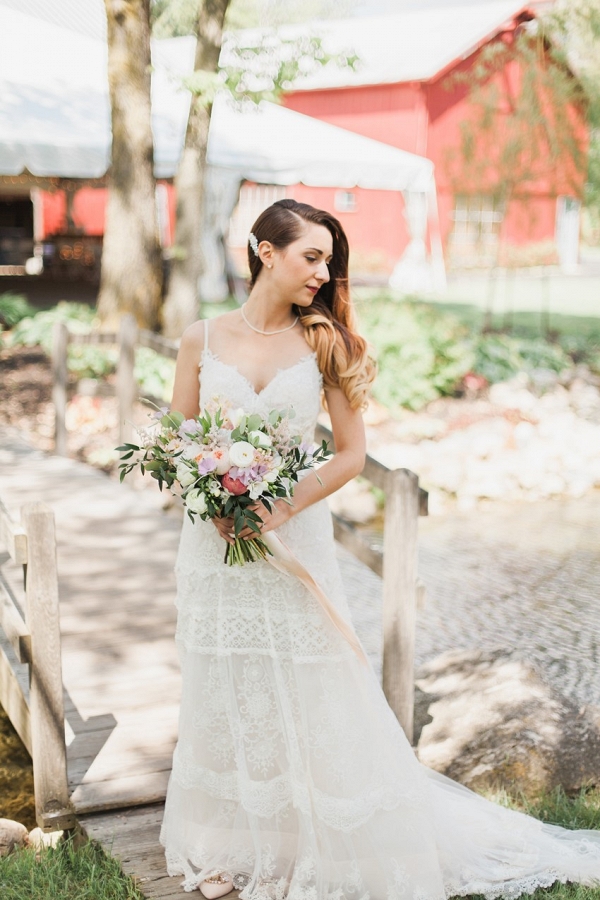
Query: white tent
(55, 121)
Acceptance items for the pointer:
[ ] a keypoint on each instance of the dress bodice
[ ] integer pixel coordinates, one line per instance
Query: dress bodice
(297, 387)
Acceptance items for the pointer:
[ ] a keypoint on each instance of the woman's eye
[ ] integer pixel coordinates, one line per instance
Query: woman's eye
(311, 258)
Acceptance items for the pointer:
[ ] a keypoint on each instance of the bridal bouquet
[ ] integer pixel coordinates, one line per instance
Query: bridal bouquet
(223, 462)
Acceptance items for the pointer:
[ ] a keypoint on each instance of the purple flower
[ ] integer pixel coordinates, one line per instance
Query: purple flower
(188, 426)
(207, 465)
(160, 412)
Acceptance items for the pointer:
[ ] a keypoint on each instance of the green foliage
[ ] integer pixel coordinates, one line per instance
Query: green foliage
(422, 353)
(500, 356)
(154, 373)
(13, 308)
(65, 873)
(37, 329)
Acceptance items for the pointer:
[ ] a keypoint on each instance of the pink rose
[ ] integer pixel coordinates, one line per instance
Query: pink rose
(233, 485)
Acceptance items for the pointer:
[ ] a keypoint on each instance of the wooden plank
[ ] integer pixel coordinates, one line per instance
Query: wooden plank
(157, 342)
(13, 537)
(60, 377)
(349, 537)
(126, 385)
(399, 593)
(46, 687)
(374, 471)
(14, 627)
(13, 701)
(131, 790)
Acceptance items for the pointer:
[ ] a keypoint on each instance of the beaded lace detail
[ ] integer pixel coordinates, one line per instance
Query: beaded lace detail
(291, 774)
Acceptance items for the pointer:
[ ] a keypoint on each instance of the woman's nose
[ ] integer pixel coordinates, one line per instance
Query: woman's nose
(323, 271)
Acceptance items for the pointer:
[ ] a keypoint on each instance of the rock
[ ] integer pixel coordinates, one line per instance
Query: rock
(497, 724)
(12, 835)
(40, 839)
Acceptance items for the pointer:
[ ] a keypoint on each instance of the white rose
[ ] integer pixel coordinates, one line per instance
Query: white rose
(257, 489)
(221, 456)
(270, 477)
(260, 438)
(235, 416)
(185, 476)
(241, 454)
(192, 450)
(196, 501)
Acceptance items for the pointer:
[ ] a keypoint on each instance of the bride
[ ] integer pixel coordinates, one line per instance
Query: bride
(292, 777)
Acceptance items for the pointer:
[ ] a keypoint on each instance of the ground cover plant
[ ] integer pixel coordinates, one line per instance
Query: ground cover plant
(66, 872)
(426, 349)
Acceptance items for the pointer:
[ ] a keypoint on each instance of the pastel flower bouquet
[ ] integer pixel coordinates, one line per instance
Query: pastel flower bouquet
(224, 462)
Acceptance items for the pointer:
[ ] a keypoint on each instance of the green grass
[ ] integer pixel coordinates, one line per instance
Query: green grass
(65, 873)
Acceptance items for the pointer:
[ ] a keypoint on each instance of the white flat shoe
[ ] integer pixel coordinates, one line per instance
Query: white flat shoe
(216, 886)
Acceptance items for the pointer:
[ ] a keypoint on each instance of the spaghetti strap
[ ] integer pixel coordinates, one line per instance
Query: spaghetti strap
(206, 334)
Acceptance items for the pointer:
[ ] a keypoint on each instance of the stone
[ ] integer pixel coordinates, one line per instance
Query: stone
(494, 723)
(40, 839)
(12, 836)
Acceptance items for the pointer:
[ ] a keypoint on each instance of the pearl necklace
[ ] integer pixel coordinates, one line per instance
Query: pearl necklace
(259, 330)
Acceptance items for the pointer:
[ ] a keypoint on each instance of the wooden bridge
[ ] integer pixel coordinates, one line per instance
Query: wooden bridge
(114, 631)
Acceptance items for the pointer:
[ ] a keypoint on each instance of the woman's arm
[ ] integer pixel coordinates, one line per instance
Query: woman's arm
(186, 389)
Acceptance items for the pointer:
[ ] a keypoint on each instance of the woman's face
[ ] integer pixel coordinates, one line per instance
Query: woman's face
(299, 270)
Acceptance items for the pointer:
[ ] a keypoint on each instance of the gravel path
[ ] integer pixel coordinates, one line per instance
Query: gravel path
(523, 576)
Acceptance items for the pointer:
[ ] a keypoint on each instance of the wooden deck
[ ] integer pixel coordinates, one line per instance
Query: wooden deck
(116, 552)
(132, 835)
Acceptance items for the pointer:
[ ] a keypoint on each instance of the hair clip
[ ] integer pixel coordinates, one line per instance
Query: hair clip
(253, 243)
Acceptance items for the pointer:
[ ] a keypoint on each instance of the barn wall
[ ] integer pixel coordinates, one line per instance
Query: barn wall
(377, 230)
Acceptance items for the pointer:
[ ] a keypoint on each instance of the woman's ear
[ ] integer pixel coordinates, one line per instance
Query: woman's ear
(266, 252)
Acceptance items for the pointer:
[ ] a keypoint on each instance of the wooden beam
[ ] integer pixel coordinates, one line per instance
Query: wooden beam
(14, 702)
(157, 342)
(52, 806)
(14, 627)
(94, 337)
(13, 537)
(60, 377)
(374, 471)
(127, 389)
(400, 593)
(351, 539)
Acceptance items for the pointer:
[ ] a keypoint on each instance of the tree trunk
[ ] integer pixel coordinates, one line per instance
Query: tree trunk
(131, 276)
(182, 304)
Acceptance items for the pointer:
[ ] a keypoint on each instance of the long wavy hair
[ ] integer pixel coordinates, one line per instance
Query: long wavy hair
(344, 357)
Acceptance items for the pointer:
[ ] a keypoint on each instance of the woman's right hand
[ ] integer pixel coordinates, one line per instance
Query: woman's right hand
(224, 525)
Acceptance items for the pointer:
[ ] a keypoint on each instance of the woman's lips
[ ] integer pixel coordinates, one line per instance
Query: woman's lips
(313, 290)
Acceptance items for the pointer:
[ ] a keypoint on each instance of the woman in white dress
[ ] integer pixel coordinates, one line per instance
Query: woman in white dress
(291, 776)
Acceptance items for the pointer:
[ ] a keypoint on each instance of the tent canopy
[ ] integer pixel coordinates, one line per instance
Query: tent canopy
(55, 119)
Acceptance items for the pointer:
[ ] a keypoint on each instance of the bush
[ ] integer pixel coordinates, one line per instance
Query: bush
(13, 308)
(422, 353)
(37, 329)
(499, 356)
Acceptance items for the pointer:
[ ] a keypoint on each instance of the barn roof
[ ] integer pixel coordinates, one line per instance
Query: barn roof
(413, 45)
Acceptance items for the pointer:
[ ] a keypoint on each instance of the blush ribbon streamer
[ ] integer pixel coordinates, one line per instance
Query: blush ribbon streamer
(284, 560)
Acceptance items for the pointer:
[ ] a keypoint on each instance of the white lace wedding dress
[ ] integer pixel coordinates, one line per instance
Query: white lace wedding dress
(291, 773)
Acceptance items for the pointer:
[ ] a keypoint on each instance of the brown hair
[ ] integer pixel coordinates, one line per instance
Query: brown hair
(343, 355)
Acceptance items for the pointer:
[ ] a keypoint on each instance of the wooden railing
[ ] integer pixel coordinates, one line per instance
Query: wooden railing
(405, 501)
(35, 639)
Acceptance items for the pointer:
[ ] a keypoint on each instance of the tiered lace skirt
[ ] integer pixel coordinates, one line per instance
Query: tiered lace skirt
(292, 774)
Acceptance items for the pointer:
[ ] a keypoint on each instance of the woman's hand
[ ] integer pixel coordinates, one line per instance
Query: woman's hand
(281, 513)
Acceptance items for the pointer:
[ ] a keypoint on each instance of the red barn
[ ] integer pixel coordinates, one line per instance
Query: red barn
(401, 93)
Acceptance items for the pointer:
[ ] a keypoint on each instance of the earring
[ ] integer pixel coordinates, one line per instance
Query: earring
(269, 267)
